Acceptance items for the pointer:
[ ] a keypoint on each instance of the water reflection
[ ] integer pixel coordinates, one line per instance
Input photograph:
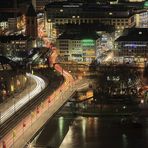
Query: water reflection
(91, 132)
(124, 140)
(61, 126)
(83, 127)
(106, 132)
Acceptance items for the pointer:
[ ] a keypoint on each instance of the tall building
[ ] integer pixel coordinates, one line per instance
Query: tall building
(31, 22)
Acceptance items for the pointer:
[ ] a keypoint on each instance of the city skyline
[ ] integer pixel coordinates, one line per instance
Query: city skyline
(73, 73)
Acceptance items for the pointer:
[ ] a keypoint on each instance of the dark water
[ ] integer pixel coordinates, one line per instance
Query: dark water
(92, 132)
(104, 133)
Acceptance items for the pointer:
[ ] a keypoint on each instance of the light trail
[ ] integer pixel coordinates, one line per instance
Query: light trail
(83, 86)
(52, 103)
(109, 57)
(10, 111)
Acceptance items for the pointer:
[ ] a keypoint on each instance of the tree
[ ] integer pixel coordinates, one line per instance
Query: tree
(114, 81)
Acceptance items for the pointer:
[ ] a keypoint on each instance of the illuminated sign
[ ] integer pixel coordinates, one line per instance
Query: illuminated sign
(89, 52)
(134, 45)
(69, 6)
(88, 42)
(146, 4)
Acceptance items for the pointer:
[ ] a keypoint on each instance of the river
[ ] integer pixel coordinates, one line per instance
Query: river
(69, 131)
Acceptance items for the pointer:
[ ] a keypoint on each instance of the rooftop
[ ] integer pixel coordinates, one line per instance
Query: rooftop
(135, 34)
(79, 36)
(5, 39)
(84, 9)
(85, 27)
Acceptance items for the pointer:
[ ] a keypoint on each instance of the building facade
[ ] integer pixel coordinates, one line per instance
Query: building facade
(134, 43)
(142, 19)
(9, 45)
(81, 49)
(78, 13)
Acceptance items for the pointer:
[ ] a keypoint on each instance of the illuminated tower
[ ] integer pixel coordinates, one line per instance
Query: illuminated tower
(31, 22)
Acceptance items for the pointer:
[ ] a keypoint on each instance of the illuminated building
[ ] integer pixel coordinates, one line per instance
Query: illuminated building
(3, 25)
(12, 44)
(77, 13)
(141, 13)
(136, 0)
(133, 43)
(141, 18)
(78, 47)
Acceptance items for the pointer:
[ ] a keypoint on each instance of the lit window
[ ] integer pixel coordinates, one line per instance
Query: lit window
(110, 13)
(61, 10)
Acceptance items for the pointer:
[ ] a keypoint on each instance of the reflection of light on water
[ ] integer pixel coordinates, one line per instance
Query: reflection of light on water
(95, 123)
(124, 140)
(68, 139)
(61, 125)
(83, 127)
(146, 124)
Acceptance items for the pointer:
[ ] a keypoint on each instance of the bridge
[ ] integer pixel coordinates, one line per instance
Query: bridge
(37, 118)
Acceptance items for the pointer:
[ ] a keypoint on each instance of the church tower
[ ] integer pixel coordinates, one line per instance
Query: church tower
(31, 22)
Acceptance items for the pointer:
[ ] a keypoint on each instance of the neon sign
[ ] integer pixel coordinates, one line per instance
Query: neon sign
(88, 42)
(134, 45)
(146, 4)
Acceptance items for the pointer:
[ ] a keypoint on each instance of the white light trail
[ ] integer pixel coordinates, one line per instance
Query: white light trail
(10, 111)
(83, 86)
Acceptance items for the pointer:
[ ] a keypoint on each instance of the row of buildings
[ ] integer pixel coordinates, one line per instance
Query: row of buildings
(120, 16)
(22, 32)
(133, 42)
(84, 45)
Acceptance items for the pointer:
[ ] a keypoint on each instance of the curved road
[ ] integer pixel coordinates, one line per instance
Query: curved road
(40, 84)
(52, 103)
